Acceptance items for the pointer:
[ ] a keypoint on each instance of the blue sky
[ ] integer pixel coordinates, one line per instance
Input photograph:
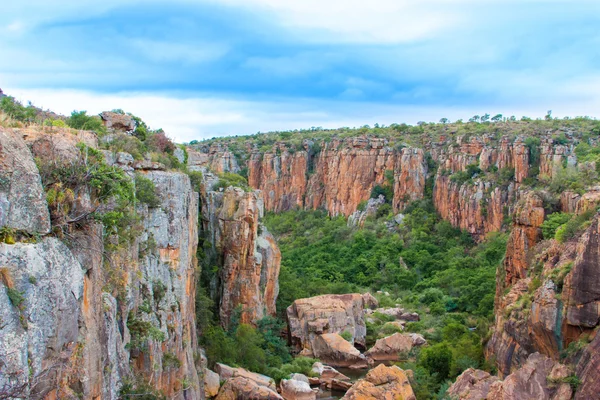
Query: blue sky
(208, 68)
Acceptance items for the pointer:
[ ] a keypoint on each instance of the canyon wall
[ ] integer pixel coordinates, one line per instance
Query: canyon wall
(337, 175)
(80, 319)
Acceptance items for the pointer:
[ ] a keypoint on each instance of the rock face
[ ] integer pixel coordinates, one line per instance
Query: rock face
(539, 379)
(118, 122)
(472, 384)
(22, 198)
(392, 347)
(248, 256)
(337, 175)
(72, 322)
(337, 351)
(214, 158)
(382, 382)
(314, 316)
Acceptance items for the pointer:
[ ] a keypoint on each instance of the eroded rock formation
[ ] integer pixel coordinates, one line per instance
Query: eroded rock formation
(246, 253)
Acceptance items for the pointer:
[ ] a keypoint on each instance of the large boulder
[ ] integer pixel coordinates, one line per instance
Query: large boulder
(212, 383)
(226, 372)
(118, 122)
(472, 384)
(327, 373)
(314, 316)
(243, 388)
(382, 383)
(292, 389)
(337, 351)
(391, 347)
(22, 198)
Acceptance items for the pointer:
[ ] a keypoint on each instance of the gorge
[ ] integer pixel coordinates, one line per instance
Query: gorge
(457, 260)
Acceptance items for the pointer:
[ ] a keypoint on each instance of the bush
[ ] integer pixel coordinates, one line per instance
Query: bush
(145, 191)
(575, 225)
(227, 179)
(437, 359)
(347, 335)
(553, 222)
(80, 120)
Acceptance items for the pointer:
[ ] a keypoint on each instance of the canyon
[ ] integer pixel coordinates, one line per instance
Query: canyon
(83, 313)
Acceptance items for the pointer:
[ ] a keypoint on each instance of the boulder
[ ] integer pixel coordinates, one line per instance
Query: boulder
(299, 377)
(292, 389)
(212, 383)
(341, 386)
(239, 387)
(311, 317)
(226, 372)
(327, 373)
(337, 351)
(472, 384)
(391, 347)
(382, 383)
(118, 122)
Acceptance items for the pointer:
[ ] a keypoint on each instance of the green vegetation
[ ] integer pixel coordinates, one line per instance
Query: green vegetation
(141, 331)
(227, 179)
(573, 226)
(139, 389)
(427, 266)
(472, 171)
(553, 222)
(145, 191)
(80, 120)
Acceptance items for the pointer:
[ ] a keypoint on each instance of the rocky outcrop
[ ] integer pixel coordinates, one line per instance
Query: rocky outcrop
(472, 384)
(119, 122)
(22, 198)
(314, 316)
(382, 383)
(247, 255)
(337, 351)
(394, 347)
(358, 217)
(587, 370)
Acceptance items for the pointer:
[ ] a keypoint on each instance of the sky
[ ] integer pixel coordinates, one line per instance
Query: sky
(205, 68)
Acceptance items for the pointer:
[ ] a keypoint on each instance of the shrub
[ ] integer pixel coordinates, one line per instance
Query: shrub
(145, 191)
(437, 359)
(347, 335)
(161, 143)
(553, 222)
(80, 120)
(195, 180)
(227, 179)
(139, 389)
(570, 229)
